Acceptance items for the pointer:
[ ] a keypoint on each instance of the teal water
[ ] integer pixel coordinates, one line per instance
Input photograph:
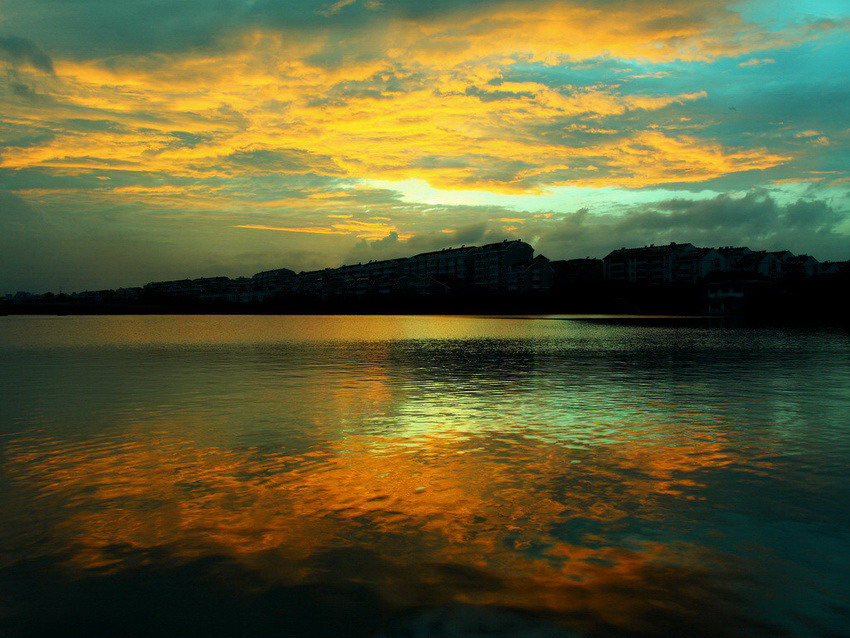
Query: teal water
(422, 476)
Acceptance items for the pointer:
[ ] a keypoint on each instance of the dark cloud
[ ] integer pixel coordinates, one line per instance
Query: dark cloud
(16, 215)
(21, 51)
(387, 248)
(475, 170)
(812, 216)
(391, 246)
(385, 85)
(754, 214)
(31, 246)
(89, 125)
(97, 28)
(804, 226)
(284, 161)
(475, 233)
(493, 96)
(757, 220)
(94, 27)
(25, 141)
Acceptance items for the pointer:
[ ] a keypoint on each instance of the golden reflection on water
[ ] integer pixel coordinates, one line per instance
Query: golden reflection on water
(462, 516)
(563, 476)
(131, 330)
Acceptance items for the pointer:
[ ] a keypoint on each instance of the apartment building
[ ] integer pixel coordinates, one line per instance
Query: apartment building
(667, 263)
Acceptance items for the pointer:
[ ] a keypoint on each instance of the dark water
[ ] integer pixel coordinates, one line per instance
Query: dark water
(421, 476)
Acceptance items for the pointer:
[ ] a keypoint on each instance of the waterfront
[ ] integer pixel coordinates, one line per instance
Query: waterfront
(360, 476)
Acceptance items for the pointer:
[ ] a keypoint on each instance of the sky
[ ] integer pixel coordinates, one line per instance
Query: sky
(164, 139)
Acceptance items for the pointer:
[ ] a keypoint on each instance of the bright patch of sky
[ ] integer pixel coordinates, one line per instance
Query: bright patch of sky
(557, 198)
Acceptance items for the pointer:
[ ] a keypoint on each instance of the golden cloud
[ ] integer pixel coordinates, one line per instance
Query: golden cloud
(757, 62)
(359, 229)
(409, 100)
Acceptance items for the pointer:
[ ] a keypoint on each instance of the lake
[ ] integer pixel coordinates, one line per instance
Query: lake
(313, 476)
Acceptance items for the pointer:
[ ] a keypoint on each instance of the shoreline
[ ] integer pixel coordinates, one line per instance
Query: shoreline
(669, 319)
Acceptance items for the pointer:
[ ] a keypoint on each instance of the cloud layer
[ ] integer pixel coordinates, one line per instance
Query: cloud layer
(230, 117)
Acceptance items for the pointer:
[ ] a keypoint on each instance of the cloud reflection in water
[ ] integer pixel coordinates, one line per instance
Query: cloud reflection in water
(582, 480)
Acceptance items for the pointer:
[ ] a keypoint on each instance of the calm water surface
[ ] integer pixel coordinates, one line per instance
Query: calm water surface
(421, 476)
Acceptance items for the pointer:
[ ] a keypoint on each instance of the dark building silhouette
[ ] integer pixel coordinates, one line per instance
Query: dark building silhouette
(686, 263)
(833, 268)
(508, 266)
(572, 272)
(669, 263)
(273, 279)
(498, 277)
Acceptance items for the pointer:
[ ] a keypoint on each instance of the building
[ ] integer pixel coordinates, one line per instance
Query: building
(204, 288)
(242, 290)
(508, 266)
(449, 263)
(577, 272)
(800, 266)
(667, 263)
(494, 265)
(418, 285)
(833, 268)
(781, 255)
(751, 263)
(692, 266)
(536, 276)
(273, 280)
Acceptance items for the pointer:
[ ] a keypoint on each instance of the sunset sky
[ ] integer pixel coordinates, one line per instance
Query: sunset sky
(162, 139)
